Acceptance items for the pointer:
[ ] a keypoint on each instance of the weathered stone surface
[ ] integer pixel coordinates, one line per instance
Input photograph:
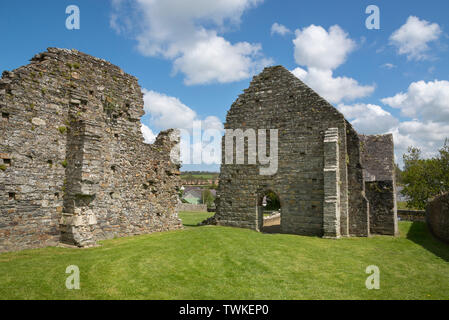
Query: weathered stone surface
(437, 217)
(412, 215)
(77, 169)
(380, 184)
(320, 178)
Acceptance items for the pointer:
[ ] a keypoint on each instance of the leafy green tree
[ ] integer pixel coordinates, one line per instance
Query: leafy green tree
(424, 179)
(207, 198)
(273, 202)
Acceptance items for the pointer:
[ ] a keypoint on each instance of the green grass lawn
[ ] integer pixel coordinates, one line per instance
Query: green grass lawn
(226, 263)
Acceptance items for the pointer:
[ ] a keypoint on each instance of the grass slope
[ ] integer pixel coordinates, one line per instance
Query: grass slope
(226, 263)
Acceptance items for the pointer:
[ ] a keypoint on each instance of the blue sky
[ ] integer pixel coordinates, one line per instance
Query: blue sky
(193, 58)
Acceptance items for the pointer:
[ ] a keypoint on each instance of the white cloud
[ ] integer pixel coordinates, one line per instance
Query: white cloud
(277, 28)
(216, 59)
(369, 118)
(388, 66)
(426, 100)
(317, 48)
(413, 38)
(428, 136)
(148, 134)
(200, 139)
(212, 123)
(167, 112)
(333, 89)
(176, 30)
(322, 52)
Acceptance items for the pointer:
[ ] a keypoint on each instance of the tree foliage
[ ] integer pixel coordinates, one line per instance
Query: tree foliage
(207, 198)
(424, 179)
(273, 202)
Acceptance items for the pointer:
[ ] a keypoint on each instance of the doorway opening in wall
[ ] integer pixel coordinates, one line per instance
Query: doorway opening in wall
(270, 207)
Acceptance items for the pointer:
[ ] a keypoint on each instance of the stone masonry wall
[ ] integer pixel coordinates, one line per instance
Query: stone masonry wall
(76, 167)
(276, 99)
(359, 208)
(378, 162)
(437, 217)
(331, 205)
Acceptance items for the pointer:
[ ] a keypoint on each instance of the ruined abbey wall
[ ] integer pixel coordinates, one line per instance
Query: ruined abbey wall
(380, 184)
(276, 99)
(320, 179)
(74, 165)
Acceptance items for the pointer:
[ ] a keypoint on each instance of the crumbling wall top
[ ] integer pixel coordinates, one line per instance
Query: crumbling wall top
(377, 157)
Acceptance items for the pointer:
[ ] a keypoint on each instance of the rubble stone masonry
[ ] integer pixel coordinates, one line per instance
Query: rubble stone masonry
(320, 178)
(74, 168)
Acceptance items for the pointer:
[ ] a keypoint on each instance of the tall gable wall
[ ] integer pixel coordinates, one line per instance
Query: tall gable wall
(276, 99)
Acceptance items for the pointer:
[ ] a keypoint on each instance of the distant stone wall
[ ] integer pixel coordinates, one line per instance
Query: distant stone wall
(192, 207)
(76, 167)
(437, 216)
(412, 215)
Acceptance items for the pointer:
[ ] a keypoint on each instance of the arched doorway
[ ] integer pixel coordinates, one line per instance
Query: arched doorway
(269, 212)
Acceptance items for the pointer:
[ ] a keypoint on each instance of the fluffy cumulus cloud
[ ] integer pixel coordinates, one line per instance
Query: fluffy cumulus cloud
(217, 60)
(188, 33)
(323, 51)
(333, 89)
(317, 48)
(148, 134)
(413, 38)
(427, 104)
(277, 28)
(369, 118)
(428, 136)
(166, 112)
(200, 138)
(425, 100)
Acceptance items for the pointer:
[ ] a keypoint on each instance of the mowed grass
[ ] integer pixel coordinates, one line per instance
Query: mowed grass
(226, 263)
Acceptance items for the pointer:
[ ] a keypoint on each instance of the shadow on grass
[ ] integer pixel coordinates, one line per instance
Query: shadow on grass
(272, 229)
(420, 234)
(191, 225)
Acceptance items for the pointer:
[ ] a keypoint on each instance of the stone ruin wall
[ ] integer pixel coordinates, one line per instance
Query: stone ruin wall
(321, 180)
(437, 217)
(276, 100)
(359, 218)
(380, 184)
(74, 167)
